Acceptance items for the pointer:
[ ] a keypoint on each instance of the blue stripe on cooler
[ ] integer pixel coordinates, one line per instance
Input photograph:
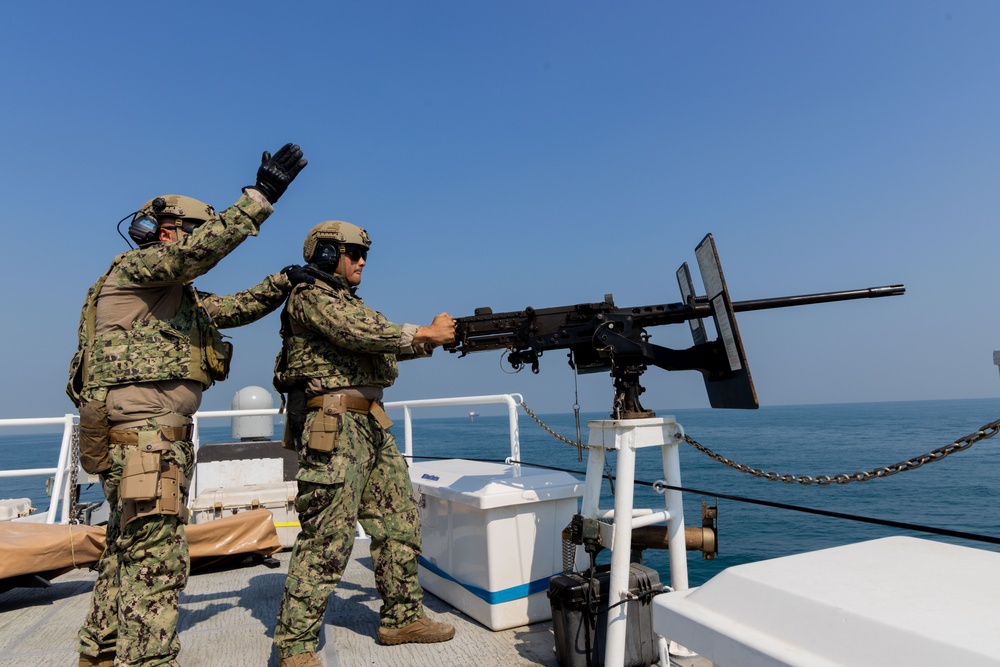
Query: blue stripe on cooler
(492, 597)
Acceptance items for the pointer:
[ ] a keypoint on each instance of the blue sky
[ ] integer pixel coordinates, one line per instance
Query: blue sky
(532, 154)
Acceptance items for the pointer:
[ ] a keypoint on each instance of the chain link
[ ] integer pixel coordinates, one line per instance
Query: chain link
(531, 413)
(961, 444)
(987, 431)
(579, 446)
(74, 470)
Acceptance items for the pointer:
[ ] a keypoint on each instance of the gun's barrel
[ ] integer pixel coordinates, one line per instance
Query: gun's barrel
(550, 328)
(825, 297)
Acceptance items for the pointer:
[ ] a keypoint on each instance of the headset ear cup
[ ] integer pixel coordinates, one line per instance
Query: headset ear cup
(145, 229)
(326, 254)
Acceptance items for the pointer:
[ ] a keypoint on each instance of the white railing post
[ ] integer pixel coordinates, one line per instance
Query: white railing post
(515, 433)
(407, 431)
(62, 466)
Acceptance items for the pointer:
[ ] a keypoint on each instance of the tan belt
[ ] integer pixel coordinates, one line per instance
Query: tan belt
(352, 403)
(356, 404)
(120, 436)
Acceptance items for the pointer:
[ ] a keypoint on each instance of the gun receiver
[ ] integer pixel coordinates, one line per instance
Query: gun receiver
(603, 337)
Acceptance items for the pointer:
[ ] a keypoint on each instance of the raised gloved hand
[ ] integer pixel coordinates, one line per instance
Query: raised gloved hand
(298, 274)
(275, 173)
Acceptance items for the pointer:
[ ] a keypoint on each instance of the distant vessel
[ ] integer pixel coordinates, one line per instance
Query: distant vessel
(472, 415)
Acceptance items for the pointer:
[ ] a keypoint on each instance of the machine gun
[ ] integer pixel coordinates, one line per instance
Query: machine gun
(603, 337)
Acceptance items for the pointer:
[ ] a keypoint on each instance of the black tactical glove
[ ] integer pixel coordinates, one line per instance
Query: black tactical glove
(275, 173)
(298, 274)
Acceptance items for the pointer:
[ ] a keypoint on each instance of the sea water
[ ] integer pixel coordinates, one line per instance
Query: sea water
(959, 492)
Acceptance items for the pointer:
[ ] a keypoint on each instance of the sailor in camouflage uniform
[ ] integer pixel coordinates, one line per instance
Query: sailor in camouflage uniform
(338, 355)
(149, 346)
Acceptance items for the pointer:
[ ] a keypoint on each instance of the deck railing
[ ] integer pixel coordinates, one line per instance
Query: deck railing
(62, 487)
(510, 400)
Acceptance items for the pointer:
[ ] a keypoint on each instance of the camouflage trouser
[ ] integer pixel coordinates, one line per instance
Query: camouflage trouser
(368, 483)
(133, 611)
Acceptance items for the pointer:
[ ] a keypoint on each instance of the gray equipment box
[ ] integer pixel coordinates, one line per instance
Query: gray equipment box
(580, 617)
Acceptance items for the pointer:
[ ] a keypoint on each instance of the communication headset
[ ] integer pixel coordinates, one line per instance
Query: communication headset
(326, 254)
(145, 228)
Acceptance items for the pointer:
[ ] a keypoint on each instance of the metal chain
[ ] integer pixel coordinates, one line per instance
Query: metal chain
(74, 469)
(961, 444)
(987, 431)
(531, 413)
(579, 446)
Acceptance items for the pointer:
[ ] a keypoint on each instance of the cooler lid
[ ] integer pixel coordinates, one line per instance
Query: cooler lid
(486, 485)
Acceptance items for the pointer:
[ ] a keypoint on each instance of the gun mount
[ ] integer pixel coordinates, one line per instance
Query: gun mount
(603, 337)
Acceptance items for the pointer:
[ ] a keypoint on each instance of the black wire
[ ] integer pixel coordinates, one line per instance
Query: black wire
(130, 215)
(769, 503)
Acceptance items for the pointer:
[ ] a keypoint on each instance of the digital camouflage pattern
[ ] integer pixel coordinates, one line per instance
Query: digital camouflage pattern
(140, 576)
(148, 293)
(249, 305)
(366, 481)
(337, 339)
(142, 348)
(153, 350)
(333, 338)
(198, 253)
(172, 349)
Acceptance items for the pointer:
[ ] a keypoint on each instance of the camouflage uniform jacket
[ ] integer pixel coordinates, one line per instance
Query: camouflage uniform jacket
(148, 323)
(333, 341)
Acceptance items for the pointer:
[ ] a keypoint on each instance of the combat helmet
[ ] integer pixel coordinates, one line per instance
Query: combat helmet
(335, 231)
(145, 225)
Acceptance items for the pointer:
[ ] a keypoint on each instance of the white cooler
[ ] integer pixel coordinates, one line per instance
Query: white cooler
(492, 536)
(15, 508)
(212, 504)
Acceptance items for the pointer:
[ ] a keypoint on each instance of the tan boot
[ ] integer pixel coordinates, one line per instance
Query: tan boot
(102, 660)
(300, 660)
(421, 631)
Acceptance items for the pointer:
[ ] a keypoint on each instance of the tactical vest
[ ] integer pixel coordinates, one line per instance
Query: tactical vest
(306, 354)
(188, 346)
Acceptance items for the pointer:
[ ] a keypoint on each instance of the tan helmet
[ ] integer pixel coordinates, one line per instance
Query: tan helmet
(145, 227)
(341, 233)
(178, 206)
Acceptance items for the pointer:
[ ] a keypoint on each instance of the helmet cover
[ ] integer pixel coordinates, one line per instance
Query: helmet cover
(178, 206)
(145, 227)
(336, 231)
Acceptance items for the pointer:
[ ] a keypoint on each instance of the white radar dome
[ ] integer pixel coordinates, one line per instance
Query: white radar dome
(255, 427)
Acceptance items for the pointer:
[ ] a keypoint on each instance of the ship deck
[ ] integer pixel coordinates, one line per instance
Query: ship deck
(227, 620)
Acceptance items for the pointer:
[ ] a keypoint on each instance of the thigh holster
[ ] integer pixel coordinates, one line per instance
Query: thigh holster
(328, 422)
(150, 485)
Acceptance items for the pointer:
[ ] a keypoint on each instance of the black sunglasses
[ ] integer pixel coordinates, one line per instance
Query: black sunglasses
(356, 253)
